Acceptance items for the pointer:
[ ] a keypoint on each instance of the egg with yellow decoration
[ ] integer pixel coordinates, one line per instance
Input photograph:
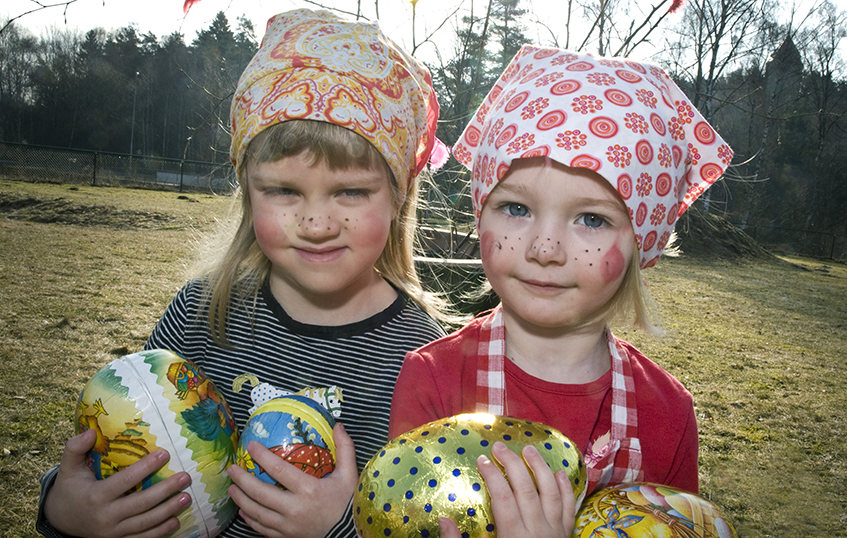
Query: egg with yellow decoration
(645, 510)
(295, 428)
(430, 472)
(155, 399)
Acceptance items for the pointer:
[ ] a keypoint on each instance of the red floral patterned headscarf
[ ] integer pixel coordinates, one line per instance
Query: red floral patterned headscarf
(625, 120)
(315, 65)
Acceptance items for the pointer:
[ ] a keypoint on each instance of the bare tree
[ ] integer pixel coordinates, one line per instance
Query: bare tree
(607, 27)
(825, 68)
(714, 37)
(37, 5)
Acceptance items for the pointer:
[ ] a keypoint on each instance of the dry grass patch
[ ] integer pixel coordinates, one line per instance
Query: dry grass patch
(760, 343)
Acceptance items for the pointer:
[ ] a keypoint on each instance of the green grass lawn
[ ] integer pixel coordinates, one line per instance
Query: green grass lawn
(86, 272)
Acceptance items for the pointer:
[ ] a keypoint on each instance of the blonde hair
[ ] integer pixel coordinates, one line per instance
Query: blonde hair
(242, 269)
(632, 301)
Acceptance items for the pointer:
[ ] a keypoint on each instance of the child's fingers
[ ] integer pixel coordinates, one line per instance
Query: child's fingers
(150, 506)
(288, 475)
(259, 517)
(78, 446)
(157, 522)
(447, 528)
(345, 461)
(249, 492)
(568, 501)
(120, 483)
(521, 483)
(503, 506)
(73, 464)
(251, 495)
(547, 485)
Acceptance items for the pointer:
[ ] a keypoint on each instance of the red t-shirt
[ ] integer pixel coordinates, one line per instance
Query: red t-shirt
(439, 380)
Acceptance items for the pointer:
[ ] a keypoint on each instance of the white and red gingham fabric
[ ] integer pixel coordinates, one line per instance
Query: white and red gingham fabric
(491, 379)
(619, 460)
(625, 120)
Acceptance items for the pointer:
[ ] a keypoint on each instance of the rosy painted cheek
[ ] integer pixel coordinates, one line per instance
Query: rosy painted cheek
(369, 229)
(487, 243)
(612, 264)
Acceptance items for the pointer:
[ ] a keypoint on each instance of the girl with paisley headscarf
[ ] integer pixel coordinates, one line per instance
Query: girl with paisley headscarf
(331, 124)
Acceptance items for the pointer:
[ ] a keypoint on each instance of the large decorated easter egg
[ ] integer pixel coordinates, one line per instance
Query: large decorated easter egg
(430, 472)
(157, 399)
(644, 510)
(295, 428)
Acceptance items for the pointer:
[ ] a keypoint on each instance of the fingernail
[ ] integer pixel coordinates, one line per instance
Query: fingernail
(499, 446)
(529, 450)
(184, 499)
(184, 480)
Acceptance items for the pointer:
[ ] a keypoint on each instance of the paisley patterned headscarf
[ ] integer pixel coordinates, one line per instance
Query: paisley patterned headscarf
(315, 65)
(625, 120)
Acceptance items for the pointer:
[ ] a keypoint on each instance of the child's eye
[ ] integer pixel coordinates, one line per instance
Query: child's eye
(591, 220)
(353, 192)
(516, 210)
(280, 191)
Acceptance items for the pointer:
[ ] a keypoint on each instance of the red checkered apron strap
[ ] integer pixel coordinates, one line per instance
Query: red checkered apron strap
(491, 379)
(618, 462)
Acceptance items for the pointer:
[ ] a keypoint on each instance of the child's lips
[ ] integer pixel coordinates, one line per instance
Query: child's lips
(321, 255)
(543, 285)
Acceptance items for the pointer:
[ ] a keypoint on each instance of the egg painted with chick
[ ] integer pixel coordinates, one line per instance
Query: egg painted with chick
(158, 399)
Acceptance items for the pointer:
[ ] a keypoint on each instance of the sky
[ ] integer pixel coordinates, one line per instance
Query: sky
(163, 17)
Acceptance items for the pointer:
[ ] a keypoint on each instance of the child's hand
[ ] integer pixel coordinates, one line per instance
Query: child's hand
(309, 506)
(80, 505)
(519, 508)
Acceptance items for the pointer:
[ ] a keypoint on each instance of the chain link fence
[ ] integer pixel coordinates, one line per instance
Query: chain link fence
(24, 162)
(439, 218)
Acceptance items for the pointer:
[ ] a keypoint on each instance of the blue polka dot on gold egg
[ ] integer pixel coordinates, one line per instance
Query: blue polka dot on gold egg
(431, 472)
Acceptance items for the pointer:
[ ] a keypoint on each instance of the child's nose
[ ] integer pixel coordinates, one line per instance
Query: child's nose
(547, 250)
(318, 225)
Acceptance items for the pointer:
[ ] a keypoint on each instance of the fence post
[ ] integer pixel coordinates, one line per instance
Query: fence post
(832, 248)
(94, 174)
(181, 172)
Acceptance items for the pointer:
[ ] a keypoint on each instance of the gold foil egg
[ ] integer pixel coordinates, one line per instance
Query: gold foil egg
(430, 472)
(644, 510)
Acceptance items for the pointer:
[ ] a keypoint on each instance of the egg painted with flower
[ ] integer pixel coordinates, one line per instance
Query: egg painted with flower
(644, 510)
(430, 472)
(157, 399)
(295, 428)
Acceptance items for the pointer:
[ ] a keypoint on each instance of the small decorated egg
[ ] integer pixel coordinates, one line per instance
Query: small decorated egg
(430, 472)
(295, 428)
(644, 510)
(157, 399)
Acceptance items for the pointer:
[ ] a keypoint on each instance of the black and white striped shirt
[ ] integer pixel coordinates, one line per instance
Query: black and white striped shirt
(362, 358)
